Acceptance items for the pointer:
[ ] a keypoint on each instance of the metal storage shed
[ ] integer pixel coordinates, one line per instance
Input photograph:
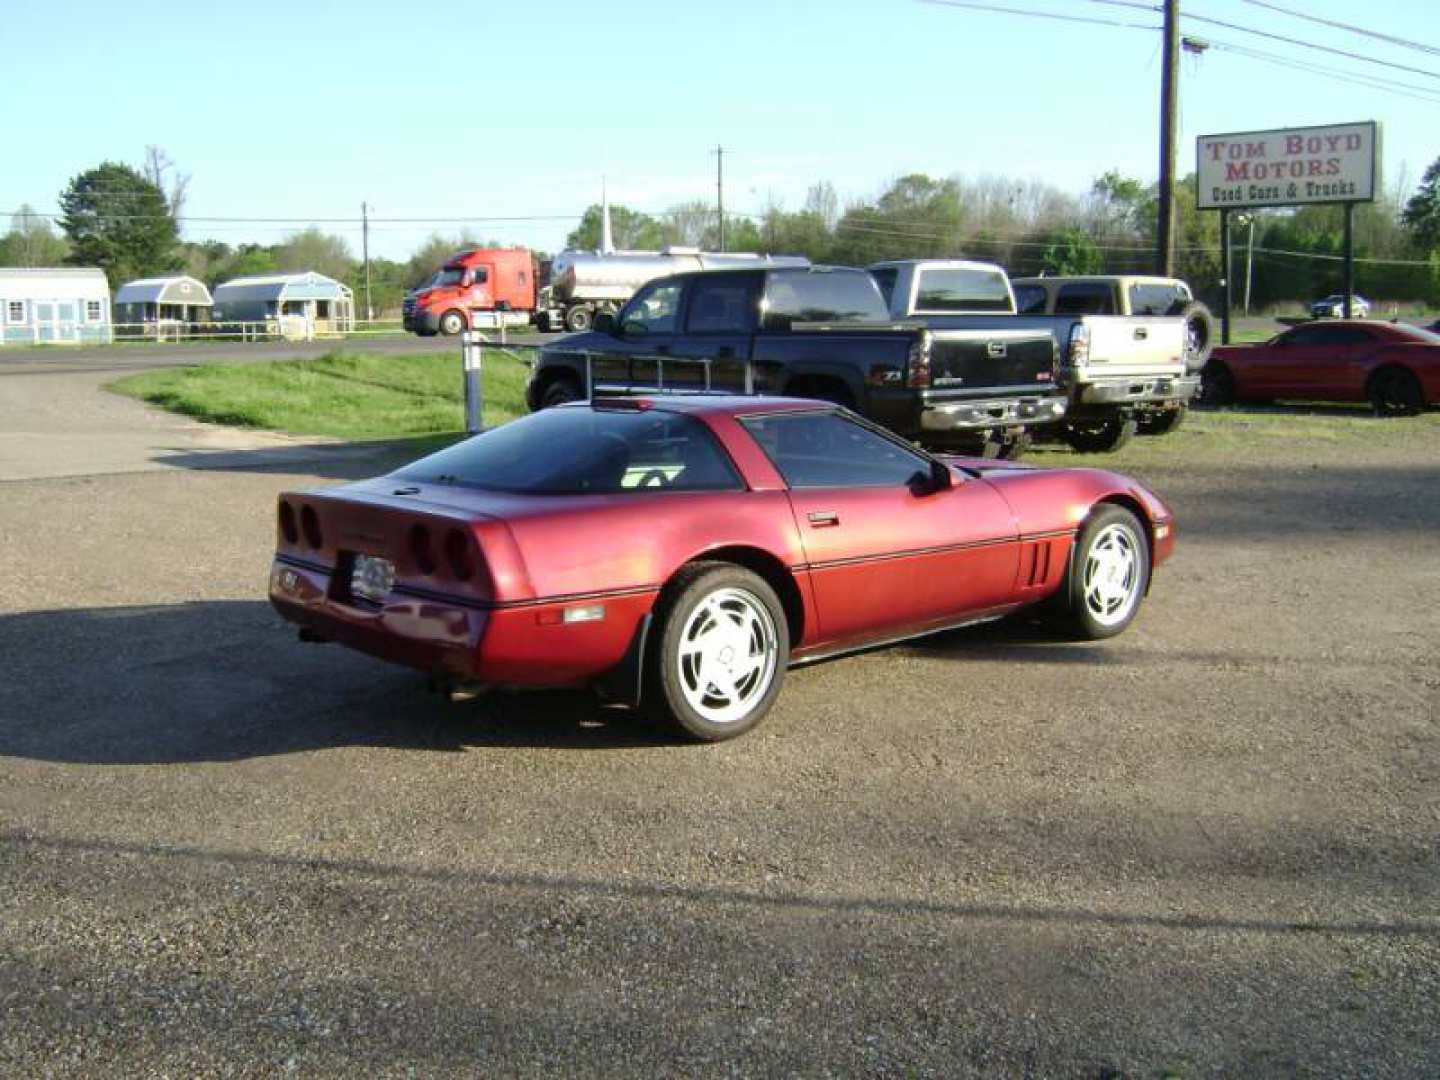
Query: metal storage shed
(295, 305)
(176, 299)
(60, 306)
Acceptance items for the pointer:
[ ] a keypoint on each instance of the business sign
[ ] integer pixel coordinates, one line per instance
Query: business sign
(1290, 167)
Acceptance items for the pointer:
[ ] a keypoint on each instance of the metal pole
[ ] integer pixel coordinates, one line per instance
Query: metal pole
(365, 235)
(1249, 262)
(1169, 72)
(1349, 255)
(472, 359)
(720, 191)
(1225, 276)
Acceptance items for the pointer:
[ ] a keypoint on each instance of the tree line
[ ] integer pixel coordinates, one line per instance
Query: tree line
(127, 220)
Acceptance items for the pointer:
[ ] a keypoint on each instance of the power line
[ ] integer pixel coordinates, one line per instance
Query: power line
(1373, 82)
(1387, 38)
(1310, 45)
(1036, 14)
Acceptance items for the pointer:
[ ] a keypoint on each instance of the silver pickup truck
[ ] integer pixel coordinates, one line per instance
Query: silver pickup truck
(1123, 375)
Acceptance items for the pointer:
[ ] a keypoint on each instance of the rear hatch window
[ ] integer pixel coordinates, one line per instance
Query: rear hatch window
(961, 288)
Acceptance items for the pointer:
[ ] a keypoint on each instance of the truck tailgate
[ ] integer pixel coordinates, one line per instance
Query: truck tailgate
(975, 362)
(1135, 345)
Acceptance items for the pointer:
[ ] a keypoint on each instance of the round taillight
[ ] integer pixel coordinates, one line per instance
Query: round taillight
(420, 549)
(288, 528)
(460, 554)
(310, 526)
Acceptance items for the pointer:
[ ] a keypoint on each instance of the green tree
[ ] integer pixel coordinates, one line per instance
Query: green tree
(31, 241)
(431, 255)
(630, 229)
(311, 249)
(119, 221)
(249, 260)
(916, 216)
(1422, 212)
(1071, 251)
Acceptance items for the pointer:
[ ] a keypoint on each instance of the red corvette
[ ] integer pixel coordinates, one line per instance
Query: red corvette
(678, 553)
(1394, 366)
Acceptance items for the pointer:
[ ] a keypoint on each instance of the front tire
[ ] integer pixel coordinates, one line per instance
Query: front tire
(579, 319)
(1396, 392)
(721, 652)
(558, 391)
(1108, 575)
(452, 323)
(1162, 423)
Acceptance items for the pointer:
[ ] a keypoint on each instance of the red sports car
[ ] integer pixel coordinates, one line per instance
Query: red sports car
(1394, 366)
(678, 553)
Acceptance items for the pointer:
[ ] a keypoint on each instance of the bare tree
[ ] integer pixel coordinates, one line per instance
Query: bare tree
(161, 171)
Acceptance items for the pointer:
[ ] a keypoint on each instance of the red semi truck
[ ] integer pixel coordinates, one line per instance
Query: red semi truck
(488, 280)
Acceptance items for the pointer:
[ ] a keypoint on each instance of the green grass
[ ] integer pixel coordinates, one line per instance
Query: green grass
(344, 395)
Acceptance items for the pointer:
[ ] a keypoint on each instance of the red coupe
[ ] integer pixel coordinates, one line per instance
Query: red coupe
(1394, 366)
(678, 553)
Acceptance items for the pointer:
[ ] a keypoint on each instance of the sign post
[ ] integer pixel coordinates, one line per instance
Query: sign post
(472, 356)
(1287, 167)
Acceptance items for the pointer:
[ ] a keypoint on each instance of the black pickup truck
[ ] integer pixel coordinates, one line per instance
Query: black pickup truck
(820, 332)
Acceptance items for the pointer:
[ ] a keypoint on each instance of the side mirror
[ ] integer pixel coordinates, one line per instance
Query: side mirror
(940, 478)
(605, 323)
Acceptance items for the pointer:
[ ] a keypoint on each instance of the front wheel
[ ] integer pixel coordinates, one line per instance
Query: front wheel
(722, 648)
(1108, 575)
(1217, 385)
(452, 323)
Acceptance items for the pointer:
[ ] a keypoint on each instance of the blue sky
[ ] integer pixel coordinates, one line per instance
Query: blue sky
(302, 110)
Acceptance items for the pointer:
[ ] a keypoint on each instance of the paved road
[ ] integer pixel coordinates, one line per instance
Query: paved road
(1207, 847)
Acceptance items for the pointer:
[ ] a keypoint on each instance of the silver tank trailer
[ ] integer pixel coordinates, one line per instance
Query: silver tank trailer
(579, 277)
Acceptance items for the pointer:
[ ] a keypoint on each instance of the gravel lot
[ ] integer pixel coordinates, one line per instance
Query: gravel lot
(1210, 846)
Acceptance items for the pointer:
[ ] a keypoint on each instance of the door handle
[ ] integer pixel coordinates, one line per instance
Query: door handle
(1141, 333)
(822, 519)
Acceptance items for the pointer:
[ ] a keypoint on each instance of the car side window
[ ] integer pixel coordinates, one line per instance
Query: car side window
(1085, 299)
(722, 304)
(1030, 299)
(825, 449)
(654, 309)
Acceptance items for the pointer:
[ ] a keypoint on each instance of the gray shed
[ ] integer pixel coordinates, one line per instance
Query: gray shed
(177, 299)
(295, 305)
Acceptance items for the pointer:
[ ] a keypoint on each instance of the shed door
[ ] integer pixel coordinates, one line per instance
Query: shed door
(56, 320)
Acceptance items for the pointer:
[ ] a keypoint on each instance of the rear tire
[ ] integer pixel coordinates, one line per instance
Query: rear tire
(452, 323)
(1102, 436)
(579, 319)
(1107, 578)
(1217, 385)
(1396, 392)
(720, 652)
(1162, 423)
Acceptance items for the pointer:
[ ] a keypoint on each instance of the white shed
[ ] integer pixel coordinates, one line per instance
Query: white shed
(297, 305)
(54, 306)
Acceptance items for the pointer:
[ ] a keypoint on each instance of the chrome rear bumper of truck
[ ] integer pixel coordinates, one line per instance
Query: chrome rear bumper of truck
(979, 415)
(1122, 389)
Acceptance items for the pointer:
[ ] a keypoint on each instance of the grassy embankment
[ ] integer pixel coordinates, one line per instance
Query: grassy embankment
(358, 397)
(343, 395)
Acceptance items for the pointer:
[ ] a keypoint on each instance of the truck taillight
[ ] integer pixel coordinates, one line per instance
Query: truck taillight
(918, 377)
(1079, 349)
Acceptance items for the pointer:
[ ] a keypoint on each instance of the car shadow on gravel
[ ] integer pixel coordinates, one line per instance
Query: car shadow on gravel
(227, 680)
(327, 460)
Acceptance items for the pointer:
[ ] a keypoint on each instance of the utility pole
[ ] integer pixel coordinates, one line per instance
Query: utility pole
(365, 244)
(720, 191)
(1169, 80)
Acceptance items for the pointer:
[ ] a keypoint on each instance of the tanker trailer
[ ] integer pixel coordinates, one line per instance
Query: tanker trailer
(585, 283)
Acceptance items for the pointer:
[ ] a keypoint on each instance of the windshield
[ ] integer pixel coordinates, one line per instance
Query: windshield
(447, 277)
(585, 451)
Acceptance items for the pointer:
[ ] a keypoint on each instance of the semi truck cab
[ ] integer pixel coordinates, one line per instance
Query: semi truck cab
(488, 280)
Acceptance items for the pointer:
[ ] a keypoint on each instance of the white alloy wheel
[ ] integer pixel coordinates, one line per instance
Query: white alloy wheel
(727, 655)
(1113, 574)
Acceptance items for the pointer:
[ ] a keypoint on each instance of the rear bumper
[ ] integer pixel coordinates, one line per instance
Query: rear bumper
(522, 645)
(1122, 389)
(984, 413)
